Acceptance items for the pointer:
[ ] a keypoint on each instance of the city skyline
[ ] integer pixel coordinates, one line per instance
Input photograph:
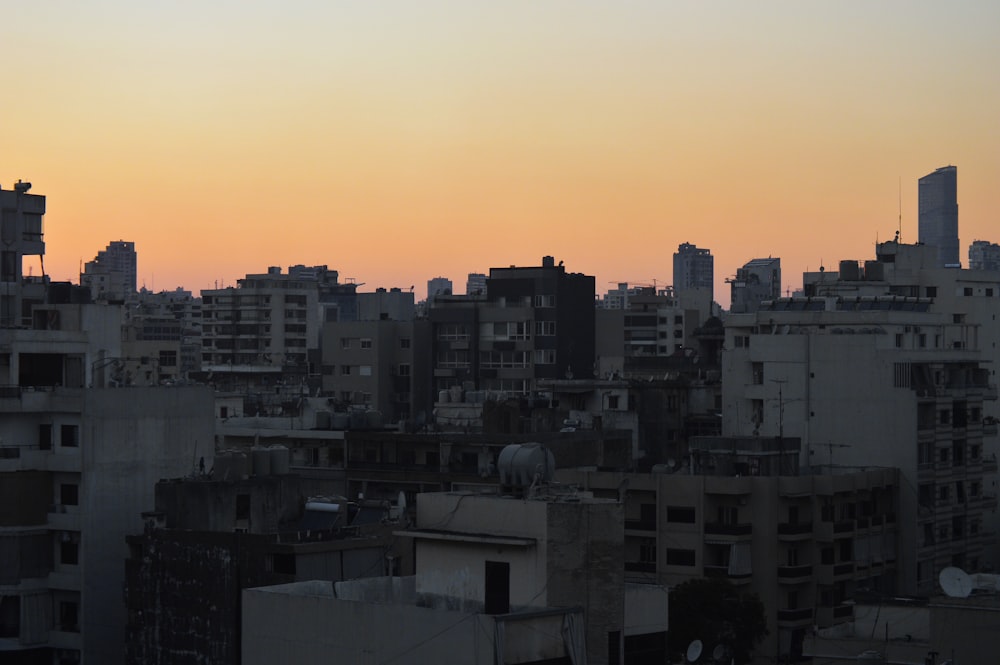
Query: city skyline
(380, 140)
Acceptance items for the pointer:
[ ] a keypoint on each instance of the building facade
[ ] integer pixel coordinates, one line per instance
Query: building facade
(757, 281)
(111, 276)
(938, 214)
(694, 267)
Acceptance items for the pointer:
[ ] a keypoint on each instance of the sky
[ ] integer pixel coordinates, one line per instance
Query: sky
(399, 141)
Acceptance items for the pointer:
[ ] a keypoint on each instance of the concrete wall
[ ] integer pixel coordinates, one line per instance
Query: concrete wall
(130, 438)
(311, 627)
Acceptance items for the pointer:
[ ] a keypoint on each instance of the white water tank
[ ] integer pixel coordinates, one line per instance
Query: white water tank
(261, 457)
(279, 459)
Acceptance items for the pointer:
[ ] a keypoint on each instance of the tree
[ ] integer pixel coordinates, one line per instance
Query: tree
(716, 612)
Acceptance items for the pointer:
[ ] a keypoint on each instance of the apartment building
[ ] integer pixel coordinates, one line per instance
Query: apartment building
(757, 281)
(534, 323)
(876, 381)
(736, 510)
(111, 276)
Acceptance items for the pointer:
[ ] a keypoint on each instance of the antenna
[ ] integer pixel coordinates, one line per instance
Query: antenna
(694, 651)
(955, 582)
(899, 229)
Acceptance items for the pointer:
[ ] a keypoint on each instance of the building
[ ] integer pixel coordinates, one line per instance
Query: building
(876, 381)
(438, 286)
(78, 458)
(17, 293)
(938, 214)
(221, 536)
(512, 580)
(475, 284)
(111, 276)
(737, 510)
(984, 255)
(534, 323)
(694, 267)
(757, 281)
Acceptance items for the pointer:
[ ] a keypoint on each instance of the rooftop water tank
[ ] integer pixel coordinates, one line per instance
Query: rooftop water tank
(261, 457)
(518, 464)
(279, 459)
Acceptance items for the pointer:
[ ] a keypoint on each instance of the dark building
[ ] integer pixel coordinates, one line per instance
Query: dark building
(534, 323)
(209, 540)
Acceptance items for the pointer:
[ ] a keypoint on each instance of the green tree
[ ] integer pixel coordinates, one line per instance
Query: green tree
(716, 612)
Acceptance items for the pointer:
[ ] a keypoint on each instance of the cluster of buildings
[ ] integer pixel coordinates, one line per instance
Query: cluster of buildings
(518, 474)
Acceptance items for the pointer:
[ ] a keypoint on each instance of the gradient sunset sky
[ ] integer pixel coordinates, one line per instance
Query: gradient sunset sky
(399, 141)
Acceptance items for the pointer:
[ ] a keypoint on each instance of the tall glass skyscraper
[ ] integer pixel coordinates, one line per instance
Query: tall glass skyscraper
(938, 213)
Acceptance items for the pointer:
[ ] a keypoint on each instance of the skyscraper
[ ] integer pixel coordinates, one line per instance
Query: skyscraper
(693, 267)
(938, 214)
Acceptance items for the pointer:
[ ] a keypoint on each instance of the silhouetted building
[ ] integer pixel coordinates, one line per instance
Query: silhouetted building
(758, 280)
(694, 267)
(938, 214)
(111, 276)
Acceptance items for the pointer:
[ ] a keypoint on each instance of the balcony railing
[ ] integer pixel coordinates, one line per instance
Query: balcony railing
(723, 529)
(641, 525)
(794, 528)
(802, 614)
(640, 567)
(794, 572)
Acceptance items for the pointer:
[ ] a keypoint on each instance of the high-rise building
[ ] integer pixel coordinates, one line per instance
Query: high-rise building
(693, 267)
(112, 273)
(984, 255)
(438, 286)
(938, 213)
(758, 280)
(475, 284)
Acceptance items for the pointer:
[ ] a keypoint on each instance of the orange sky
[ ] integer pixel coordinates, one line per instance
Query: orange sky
(399, 141)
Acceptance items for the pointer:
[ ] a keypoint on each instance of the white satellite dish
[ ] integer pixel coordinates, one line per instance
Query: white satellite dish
(694, 651)
(955, 582)
(671, 464)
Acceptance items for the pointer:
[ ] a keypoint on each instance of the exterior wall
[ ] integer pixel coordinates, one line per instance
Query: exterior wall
(127, 445)
(313, 628)
(780, 537)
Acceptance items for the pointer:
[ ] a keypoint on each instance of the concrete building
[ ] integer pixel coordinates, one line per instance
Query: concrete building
(876, 380)
(984, 255)
(111, 276)
(694, 267)
(223, 536)
(497, 580)
(757, 281)
(475, 284)
(938, 214)
(164, 329)
(22, 235)
(534, 323)
(803, 544)
(438, 286)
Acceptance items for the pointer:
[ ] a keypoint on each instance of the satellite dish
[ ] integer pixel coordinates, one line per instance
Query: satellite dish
(955, 582)
(671, 463)
(694, 651)
(719, 653)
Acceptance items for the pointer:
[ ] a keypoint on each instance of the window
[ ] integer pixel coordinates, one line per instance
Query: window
(677, 557)
(931, 291)
(69, 494)
(545, 356)
(366, 343)
(345, 370)
(69, 616)
(943, 493)
(404, 342)
(70, 436)
(497, 588)
(45, 436)
(612, 401)
(345, 342)
(545, 328)
(967, 291)
(899, 340)
(69, 551)
(545, 301)
(365, 370)
(757, 373)
(680, 514)
(404, 369)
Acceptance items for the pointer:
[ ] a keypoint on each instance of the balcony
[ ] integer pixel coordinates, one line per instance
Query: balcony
(794, 530)
(640, 567)
(797, 617)
(828, 616)
(722, 572)
(829, 574)
(640, 525)
(794, 574)
(826, 531)
(59, 519)
(724, 529)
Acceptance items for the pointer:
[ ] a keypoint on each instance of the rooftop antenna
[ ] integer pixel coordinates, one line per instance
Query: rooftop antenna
(899, 229)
